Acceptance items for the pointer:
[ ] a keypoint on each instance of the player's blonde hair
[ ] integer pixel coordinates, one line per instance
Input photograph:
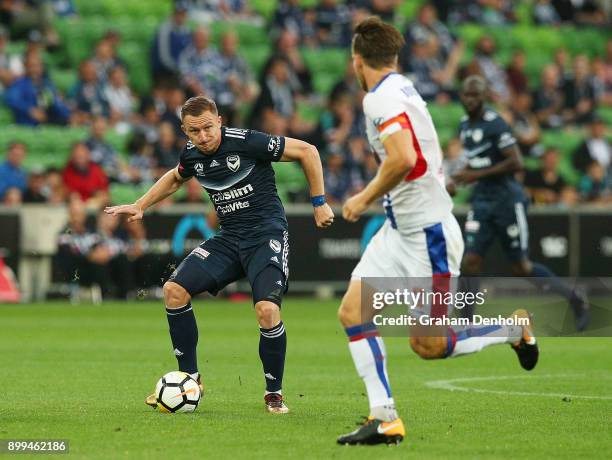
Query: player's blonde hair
(197, 105)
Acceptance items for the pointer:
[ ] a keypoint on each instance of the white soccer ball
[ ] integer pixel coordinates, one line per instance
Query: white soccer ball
(177, 392)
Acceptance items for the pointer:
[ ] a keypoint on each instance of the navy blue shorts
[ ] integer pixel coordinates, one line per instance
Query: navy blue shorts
(506, 221)
(223, 259)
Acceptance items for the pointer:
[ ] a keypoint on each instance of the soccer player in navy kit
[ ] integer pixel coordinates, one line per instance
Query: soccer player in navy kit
(498, 200)
(234, 167)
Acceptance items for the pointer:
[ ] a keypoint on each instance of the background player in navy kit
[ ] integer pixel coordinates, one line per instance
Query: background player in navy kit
(234, 166)
(498, 200)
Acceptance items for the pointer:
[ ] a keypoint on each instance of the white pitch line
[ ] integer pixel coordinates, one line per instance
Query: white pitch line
(451, 385)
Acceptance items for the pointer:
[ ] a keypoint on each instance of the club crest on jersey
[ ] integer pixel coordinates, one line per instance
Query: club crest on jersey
(233, 162)
(275, 246)
(199, 169)
(477, 135)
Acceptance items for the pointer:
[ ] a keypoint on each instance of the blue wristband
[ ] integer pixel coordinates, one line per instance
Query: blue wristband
(317, 201)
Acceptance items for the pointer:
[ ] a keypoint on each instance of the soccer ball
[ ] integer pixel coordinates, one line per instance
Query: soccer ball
(177, 392)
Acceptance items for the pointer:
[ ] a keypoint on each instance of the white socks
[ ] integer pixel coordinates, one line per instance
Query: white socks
(473, 339)
(369, 355)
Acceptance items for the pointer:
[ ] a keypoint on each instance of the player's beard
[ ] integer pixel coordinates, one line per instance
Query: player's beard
(362, 81)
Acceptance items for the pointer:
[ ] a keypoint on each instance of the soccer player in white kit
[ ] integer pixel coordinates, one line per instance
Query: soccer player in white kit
(420, 238)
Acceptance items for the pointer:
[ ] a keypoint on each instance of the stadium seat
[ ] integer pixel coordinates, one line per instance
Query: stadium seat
(255, 56)
(446, 116)
(329, 61)
(248, 33)
(324, 82)
(63, 79)
(6, 116)
(124, 193)
(606, 114)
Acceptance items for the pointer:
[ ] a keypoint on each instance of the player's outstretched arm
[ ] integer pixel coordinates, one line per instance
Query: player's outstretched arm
(401, 158)
(308, 156)
(165, 186)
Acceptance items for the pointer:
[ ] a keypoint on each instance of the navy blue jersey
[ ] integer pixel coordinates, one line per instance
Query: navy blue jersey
(239, 179)
(483, 142)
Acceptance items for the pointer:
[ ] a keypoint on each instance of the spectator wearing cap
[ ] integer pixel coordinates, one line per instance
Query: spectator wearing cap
(594, 148)
(172, 37)
(85, 178)
(34, 99)
(11, 65)
(200, 65)
(12, 174)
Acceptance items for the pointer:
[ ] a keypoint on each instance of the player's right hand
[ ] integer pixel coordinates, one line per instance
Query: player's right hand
(133, 211)
(324, 216)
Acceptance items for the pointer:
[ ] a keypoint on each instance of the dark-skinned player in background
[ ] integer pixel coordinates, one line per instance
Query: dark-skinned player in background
(498, 203)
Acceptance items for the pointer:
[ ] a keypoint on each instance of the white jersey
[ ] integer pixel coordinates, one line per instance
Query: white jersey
(420, 199)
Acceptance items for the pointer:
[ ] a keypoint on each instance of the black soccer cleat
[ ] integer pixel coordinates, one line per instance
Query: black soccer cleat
(375, 431)
(527, 348)
(582, 310)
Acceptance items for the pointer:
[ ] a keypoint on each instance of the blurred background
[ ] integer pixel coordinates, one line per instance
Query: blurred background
(89, 100)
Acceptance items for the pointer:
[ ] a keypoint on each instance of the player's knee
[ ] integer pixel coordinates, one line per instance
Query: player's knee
(175, 295)
(349, 314)
(429, 347)
(268, 314)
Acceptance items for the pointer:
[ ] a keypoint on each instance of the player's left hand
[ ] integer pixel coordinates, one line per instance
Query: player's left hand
(324, 216)
(465, 176)
(354, 207)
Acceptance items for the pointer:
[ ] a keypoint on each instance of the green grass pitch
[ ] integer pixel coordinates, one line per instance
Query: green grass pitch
(82, 372)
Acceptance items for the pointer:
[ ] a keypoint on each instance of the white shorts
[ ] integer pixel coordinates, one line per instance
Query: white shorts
(432, 251)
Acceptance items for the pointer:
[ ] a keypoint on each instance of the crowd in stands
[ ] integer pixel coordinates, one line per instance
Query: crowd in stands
(185, 61)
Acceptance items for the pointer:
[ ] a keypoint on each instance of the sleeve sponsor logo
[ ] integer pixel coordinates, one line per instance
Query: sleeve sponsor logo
(274, 145)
